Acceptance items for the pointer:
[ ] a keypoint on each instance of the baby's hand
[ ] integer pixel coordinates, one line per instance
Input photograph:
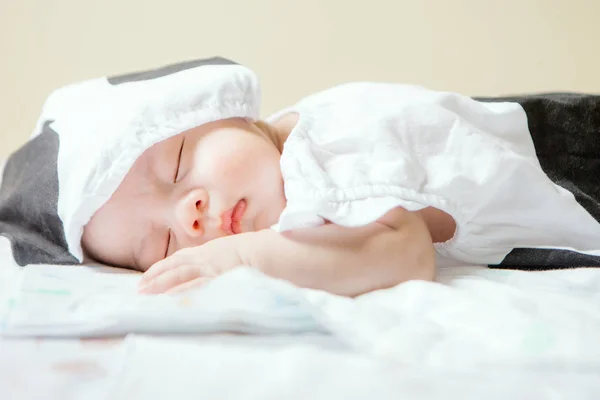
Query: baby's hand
(192, 266)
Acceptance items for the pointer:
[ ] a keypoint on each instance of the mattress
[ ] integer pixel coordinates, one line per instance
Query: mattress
(309, 364)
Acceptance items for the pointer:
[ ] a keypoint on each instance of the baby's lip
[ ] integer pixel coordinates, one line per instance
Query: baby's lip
(230, 219)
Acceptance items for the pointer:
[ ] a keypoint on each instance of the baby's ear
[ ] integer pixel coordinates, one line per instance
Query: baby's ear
(264, 129)
(279, 129)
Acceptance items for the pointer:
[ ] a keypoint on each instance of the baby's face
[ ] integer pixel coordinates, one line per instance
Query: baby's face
(215, 180)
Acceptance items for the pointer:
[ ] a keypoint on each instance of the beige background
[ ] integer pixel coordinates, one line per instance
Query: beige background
(477, 47)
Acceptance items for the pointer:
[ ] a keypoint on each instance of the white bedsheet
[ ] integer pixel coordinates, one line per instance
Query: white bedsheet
(255, 367)
(476, 333)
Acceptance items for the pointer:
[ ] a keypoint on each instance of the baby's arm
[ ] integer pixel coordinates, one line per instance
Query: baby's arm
(341, 260)
(347, 261)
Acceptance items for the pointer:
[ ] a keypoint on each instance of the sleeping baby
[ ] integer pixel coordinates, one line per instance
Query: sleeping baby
(352, 189)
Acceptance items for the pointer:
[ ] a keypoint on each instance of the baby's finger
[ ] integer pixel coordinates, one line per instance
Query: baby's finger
(189, 285)
(169, 279)
(160, 267)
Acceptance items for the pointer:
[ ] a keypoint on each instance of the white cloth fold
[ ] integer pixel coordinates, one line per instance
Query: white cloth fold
(470, 316)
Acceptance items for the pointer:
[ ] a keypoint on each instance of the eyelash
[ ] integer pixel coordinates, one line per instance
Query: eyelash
(179, 160)
(175, 181)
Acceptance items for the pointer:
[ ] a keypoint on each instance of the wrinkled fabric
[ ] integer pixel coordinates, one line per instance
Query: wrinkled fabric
(361, 149)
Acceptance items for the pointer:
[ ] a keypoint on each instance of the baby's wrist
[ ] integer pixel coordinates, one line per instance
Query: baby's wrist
(251, 248)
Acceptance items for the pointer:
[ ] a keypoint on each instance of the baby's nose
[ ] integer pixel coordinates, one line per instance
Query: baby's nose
(191, 211)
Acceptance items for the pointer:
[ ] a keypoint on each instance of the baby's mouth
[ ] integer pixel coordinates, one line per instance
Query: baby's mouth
(231, 219)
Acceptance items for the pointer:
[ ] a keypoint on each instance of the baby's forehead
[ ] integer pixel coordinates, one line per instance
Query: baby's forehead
(147, 167)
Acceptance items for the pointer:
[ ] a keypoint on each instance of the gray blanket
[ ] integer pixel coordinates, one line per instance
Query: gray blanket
(28, 199)
(565, 128)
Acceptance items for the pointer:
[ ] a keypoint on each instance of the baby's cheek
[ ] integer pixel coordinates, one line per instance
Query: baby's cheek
(228, 170)
(230, 166)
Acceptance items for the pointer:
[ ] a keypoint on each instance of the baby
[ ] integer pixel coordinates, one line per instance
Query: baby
(357, 188)
(215, 191)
